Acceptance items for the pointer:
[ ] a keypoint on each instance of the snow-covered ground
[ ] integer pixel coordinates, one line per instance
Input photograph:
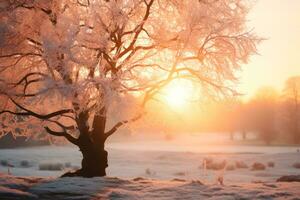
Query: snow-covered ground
(158, 164)
(166, 169)
(138, 188)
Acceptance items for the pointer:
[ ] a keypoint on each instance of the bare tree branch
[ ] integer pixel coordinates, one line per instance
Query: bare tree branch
(34, 114)
(121, 123)
(62, 134)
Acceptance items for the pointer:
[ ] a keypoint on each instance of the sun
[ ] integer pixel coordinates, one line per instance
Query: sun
(178, 93)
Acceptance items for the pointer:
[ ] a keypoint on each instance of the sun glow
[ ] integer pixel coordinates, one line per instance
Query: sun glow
(178, 93)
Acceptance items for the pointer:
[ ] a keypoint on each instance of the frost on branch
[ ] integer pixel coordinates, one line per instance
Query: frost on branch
(69, 61)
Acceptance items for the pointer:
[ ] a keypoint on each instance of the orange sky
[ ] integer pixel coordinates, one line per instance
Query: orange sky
(279, 22)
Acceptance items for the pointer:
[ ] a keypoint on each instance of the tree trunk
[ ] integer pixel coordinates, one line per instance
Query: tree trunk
(91, 145)
(94, 161)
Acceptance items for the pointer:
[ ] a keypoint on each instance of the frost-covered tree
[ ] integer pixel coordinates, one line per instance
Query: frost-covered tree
(68, 67)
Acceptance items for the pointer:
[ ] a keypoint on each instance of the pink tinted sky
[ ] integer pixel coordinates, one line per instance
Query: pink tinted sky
(279, 22)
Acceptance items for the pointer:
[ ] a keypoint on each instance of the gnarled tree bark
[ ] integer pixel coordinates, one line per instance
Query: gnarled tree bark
(91, 143)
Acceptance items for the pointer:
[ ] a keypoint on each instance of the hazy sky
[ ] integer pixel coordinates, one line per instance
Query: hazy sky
(279, 22)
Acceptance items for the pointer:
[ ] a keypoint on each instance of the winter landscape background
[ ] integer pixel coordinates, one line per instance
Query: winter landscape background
(155, 168)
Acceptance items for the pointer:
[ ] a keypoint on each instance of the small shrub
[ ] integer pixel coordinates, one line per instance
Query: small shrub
(5, 163)
(230, 167)
(51, 167)
(216, 165)
(149, 172)
(240, 165)
(258, 166)
(25, 163)
(296, 165)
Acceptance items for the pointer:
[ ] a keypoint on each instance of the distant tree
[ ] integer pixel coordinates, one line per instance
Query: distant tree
(263, 113)
(73, 67)
(232, 117)
(291, 94)
(241, 118)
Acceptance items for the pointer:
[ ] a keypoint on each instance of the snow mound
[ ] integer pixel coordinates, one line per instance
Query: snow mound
(12, 187)
(138, 188)
(8, 193)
